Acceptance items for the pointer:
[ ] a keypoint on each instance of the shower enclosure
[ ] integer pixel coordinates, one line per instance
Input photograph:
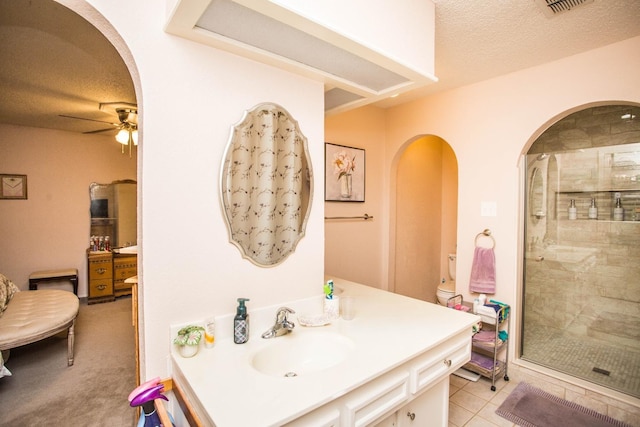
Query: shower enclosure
(581, 296)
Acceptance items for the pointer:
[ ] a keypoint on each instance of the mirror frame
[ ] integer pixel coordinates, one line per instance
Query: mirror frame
(253, 141)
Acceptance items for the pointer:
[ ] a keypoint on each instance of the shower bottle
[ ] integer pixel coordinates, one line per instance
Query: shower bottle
(573, 211)
(618, 211)
(593, 210)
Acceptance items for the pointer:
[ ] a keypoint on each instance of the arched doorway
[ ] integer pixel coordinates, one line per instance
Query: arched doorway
(426, 200)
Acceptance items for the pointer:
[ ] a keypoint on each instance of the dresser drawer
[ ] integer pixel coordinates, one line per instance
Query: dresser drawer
(100, 268)
(124, 272)
(100, 288)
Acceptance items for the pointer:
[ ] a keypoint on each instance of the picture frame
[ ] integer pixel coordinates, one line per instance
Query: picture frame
(344, 173)
(13, 187)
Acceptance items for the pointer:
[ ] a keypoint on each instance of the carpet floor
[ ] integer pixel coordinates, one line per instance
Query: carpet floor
(528, 406)
(43, 390)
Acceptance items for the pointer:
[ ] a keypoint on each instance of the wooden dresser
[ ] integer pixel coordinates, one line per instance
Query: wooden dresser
(100, 277)
(124, 266)
(107, 274)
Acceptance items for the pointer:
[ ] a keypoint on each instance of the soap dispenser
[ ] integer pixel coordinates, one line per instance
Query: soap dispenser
(241, 323)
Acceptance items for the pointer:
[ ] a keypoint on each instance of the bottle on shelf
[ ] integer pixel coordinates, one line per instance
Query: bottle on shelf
(618, 210)
(593, 210)
(573, 211)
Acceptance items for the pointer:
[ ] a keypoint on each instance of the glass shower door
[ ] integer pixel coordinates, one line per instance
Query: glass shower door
(581, 299)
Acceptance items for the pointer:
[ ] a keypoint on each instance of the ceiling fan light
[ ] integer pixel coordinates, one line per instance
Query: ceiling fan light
(134, 136)
(123, 136)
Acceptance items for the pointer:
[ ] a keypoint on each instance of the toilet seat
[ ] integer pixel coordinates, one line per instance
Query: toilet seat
(449, 287)
(445, 291)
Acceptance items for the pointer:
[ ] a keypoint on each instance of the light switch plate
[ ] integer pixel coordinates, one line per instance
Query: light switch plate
(488, 209)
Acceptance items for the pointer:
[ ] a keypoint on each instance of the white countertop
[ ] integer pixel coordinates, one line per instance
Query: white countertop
(388, 330)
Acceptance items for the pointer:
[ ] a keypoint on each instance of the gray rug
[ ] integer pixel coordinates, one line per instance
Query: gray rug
(529, 406)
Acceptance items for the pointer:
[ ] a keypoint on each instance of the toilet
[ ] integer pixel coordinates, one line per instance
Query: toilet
(447, 289)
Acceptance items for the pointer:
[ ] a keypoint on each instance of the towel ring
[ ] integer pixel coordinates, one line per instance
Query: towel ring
(486, 233)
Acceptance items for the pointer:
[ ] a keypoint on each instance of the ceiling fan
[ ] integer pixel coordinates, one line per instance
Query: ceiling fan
(127, 127)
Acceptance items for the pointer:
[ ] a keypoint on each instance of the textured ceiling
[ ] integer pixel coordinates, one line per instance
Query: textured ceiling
(478, 40)
(54, 63)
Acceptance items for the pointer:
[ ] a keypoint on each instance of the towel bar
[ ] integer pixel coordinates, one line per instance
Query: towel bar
(365, 217)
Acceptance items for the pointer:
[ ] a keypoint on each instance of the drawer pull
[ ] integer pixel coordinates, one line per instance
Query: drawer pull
(101, 287)
(411, 415)
(447, 362)
(101, 270)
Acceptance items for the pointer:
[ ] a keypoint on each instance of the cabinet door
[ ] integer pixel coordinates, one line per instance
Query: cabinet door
(326, 416)
(390, 421)
(431, 408)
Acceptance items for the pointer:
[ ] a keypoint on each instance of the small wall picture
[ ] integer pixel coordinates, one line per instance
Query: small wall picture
(13, 186)
(344, 173)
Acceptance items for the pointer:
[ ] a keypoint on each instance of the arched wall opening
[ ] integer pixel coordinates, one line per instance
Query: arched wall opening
(101, 24)
(581, 227)
(423, 216)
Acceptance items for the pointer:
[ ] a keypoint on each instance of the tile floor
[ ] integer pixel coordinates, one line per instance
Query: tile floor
(473, 404)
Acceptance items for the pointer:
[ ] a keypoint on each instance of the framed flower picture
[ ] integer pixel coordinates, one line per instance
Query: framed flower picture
(344, 173)
(13, 186)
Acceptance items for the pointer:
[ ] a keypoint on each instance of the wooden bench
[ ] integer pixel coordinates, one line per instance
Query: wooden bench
(70, 274)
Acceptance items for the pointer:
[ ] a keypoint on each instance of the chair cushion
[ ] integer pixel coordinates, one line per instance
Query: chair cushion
(34, 315)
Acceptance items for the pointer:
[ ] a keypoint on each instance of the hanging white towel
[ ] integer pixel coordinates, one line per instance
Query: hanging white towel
(483, 271)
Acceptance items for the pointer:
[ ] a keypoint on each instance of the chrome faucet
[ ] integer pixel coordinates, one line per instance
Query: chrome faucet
(282, 326)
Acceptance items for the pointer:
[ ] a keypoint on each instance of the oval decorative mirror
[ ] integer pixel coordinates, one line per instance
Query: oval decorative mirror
(266, 184)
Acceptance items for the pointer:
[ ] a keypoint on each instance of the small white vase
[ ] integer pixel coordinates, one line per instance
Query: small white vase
(188, 350)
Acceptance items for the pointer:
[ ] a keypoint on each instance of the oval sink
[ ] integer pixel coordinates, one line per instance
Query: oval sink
(298, 354)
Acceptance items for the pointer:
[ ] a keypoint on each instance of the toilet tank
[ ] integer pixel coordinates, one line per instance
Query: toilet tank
(452, 266)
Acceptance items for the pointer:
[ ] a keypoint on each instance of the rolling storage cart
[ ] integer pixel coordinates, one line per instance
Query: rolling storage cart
(490, 349)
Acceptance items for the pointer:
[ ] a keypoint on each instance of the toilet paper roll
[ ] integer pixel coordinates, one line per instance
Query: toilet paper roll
(332, 307)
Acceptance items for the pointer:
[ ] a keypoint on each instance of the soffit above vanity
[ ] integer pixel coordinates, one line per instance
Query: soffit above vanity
(363, 51)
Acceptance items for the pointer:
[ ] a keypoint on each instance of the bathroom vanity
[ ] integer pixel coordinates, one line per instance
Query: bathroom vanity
(389, 366)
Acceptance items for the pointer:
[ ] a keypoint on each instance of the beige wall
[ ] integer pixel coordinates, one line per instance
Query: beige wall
(50, 230)
(490, 125)
(355, 249)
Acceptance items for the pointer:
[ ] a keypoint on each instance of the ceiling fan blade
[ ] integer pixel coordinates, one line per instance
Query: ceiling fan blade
(91, 120)
(102, 130)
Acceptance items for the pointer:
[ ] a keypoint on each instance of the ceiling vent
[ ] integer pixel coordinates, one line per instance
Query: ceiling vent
(554, 7)
(325, 40)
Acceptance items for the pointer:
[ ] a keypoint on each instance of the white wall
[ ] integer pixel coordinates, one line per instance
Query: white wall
(50, 230)
(189, 96)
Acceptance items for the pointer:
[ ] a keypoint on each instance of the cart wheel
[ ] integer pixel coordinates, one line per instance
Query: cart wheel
(506, 377)
(493, 388)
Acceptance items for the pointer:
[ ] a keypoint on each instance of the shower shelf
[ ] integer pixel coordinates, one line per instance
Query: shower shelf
(605, 200)
(496, 352)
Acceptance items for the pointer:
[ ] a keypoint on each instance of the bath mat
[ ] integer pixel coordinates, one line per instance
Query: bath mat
(528, 406)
